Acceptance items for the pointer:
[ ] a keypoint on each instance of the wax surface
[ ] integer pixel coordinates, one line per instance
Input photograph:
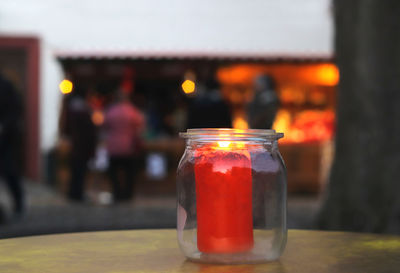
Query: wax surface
(224, 201)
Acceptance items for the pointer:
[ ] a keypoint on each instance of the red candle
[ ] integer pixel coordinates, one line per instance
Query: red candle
(224, 199)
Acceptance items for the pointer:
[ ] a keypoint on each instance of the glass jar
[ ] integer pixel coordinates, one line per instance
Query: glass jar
(231, 187)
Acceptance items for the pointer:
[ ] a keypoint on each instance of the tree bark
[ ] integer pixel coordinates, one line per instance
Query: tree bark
(363, 193)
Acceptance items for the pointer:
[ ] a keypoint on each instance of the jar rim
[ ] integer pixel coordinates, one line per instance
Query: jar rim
(229, 133)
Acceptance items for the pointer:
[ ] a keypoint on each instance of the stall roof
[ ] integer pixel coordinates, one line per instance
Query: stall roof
(189, 55)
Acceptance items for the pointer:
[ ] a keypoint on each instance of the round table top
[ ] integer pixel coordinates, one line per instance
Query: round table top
(157, 251)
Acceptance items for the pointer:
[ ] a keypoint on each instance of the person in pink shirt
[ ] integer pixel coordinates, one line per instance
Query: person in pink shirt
(123, 126)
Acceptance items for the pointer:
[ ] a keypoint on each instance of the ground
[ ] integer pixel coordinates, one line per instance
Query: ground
(49, 212)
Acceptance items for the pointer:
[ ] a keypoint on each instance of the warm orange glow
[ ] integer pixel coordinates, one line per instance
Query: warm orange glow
(188, 86)
(328, 74)
(229, 145)
(240, 123)
(293, 94)
(306, 74)
(282, 122)
(98, 118)
(317, 98)
(238, 74)
(306, 126)
(66, 86)
(224, 144)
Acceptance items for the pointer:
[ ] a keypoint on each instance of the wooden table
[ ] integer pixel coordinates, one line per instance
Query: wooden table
(157, 251)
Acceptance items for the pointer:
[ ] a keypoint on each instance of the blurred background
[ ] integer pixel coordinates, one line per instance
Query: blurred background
(93, 97)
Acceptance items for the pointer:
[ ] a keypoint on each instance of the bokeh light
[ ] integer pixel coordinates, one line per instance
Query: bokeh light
(328, 74)
(66, 86)
(188, 86)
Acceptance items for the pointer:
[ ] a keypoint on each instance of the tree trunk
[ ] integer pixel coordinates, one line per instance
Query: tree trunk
(363, 193)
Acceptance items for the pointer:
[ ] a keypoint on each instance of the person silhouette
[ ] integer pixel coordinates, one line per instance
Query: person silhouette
(123, 126)
(262, 109)
(11, 110)
(80, 130)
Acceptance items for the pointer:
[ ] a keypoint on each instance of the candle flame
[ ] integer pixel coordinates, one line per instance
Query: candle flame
(224, 144)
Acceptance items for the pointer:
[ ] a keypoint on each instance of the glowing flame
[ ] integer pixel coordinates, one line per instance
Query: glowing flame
(188, 86)
(66, 86)
(224, 144)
